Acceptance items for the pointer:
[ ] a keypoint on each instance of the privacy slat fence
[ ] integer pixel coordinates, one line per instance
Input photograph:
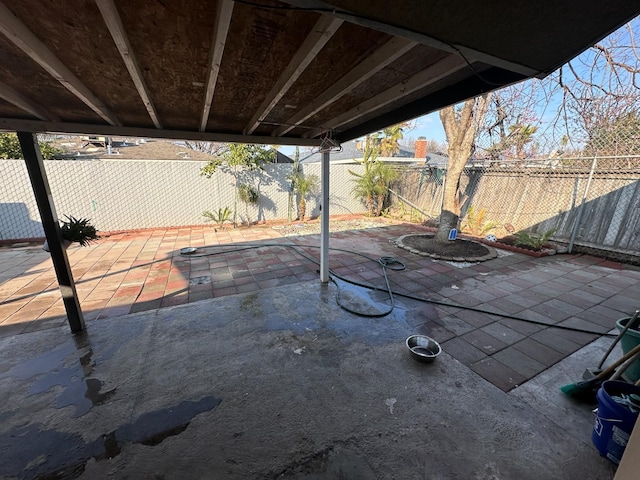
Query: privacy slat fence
(540, 197)
(136, 194)
(122, 195)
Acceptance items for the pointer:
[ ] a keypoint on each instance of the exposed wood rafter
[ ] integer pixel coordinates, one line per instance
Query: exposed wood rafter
(114, 24)
(390, 51)
(435, 72)
(221, 30)
(26, 41)
(16, 98)
(360, 18)
(320, 34)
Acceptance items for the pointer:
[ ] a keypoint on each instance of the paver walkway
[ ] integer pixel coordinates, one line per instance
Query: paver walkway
(478, 312)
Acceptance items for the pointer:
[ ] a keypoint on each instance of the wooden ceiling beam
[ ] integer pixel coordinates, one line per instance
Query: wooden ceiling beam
(320, 34)
(112, 19)
(25, 40)
(389, 52)
(465, 86)
(14, 97)
(424, 78)
(224, 10)
(20, 125)
(360, 18)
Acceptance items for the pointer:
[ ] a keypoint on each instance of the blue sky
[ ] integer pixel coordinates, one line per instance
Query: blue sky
(545, 108)
(428, 126)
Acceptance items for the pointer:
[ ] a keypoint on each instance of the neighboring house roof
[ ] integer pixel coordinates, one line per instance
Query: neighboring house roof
(436, 160)
(282, 158)
(351, 152)
(89, 148)
(127, 149)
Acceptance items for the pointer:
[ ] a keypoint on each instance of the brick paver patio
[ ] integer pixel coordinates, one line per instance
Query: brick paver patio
(478, 312)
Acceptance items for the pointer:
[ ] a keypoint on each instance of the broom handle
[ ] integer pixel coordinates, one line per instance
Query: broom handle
(611, 368)
(624, 367)
(629, 324)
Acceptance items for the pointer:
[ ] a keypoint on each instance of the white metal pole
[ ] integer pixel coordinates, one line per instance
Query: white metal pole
(324, 224)
(576, 227)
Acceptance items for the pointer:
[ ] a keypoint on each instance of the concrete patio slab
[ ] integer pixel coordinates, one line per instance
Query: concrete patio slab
(277, 383)
(494, 316)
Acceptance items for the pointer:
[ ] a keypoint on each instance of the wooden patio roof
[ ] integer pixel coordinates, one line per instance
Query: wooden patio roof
(281, 72)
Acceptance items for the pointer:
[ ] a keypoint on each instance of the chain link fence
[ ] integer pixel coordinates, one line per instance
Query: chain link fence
(593, 202)
(136, 194)
(589, 197)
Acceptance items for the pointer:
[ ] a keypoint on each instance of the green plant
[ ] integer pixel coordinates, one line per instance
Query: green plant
(219, 217)
(240, 160)
(475, 223)
(78, 230)
(399, 210)
(10, 148)
(248, 195)
(303, 185)
(390, 140)
(535, 242)
(373, 184)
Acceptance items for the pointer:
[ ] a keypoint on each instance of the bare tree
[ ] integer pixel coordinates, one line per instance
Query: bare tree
(597, 90)
(460, 126)
(215, 149)
(409, 143)
(599, 87)
(512, 120)
(435, 146)
(561, 113)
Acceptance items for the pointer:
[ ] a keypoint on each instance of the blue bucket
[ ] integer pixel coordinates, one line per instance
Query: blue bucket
(614, 422)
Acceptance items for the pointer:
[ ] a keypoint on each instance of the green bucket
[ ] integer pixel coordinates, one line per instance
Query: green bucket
(629, 341)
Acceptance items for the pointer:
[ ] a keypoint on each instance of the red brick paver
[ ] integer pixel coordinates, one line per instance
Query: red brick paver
(480, 313)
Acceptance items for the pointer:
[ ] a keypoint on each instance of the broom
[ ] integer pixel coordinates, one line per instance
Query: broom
(586, 389)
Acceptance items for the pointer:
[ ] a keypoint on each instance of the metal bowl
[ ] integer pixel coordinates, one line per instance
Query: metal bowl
(422, 348)
(188, 251)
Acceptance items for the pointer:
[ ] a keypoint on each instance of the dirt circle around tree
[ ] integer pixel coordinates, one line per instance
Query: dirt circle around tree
(458, 250)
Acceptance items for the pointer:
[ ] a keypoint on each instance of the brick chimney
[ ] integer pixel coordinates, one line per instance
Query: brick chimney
(421, 148)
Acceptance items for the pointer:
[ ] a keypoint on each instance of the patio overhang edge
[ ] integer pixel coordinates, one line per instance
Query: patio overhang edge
(37, 126)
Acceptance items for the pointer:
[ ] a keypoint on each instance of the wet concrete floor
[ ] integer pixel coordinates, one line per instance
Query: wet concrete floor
(279, 383)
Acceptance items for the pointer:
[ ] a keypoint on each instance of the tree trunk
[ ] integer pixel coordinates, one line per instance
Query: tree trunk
(371, 206)
(235, 197)
(380, 204)
(302, 209)
(450, 213)
(461, 128)
(448, 221)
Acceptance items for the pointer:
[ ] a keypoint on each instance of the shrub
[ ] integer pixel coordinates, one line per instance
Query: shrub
(248, 194)
(78, 230)
(10, 148)
(475, 223)
(220, 216)
(535, 242)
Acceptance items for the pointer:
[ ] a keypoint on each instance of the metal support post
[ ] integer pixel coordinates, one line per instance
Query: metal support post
(49, 217)
(576, 227)
(324, 224)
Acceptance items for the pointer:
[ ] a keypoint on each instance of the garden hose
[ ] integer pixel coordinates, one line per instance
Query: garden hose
(385, 263)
